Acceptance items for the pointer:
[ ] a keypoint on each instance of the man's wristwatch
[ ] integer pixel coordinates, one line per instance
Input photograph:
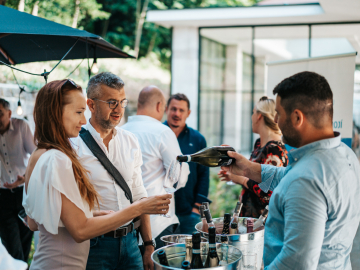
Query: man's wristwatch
(150, 243)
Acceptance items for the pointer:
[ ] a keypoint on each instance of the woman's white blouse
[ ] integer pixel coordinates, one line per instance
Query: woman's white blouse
(52, 175)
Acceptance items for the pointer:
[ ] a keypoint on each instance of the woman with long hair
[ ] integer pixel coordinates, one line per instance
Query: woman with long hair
(58, 197)
(268, 149)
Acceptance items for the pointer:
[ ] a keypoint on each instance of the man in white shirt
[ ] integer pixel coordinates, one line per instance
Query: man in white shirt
(17, 142)
(159, 148)
(107, 102)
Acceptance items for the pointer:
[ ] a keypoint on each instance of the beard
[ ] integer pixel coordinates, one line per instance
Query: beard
(106, 124)
(289, 135)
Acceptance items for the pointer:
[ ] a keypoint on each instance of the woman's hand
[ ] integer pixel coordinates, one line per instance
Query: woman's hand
(154, 205)
(102, 213)
(228, 176)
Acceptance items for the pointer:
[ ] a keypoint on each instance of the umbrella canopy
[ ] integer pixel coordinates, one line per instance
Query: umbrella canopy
(26, 38)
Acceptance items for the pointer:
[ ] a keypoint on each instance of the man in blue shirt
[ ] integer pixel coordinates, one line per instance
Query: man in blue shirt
(314, 211)
(189, 198)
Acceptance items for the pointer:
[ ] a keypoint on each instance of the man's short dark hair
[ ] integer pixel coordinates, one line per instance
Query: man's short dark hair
(310, 93)
(5, 104)
(179, 97)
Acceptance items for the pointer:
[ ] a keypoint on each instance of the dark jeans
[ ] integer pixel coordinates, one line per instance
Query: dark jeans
(188, 222)
(15, 236)
(107, 253)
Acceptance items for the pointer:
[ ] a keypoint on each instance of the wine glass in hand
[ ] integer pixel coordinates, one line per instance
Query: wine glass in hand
(172, 178)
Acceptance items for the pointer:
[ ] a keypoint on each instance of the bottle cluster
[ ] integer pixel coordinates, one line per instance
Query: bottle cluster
(193, 258)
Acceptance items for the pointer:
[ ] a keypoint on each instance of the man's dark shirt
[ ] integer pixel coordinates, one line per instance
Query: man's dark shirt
(197, 186)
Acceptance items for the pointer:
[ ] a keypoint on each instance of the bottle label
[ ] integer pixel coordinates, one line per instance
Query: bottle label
(196, 251)
(188, 158)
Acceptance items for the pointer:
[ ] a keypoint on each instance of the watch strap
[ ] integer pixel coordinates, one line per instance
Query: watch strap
(149, 243)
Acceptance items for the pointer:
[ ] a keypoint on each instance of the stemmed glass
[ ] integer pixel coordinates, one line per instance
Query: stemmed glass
(171, 179)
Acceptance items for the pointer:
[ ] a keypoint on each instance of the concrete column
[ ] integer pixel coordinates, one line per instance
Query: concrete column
(185, 67)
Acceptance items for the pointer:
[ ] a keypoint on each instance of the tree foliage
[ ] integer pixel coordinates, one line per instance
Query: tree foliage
(116, 20)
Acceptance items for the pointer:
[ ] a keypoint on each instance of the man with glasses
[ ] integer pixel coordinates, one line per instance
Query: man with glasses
(117, 249)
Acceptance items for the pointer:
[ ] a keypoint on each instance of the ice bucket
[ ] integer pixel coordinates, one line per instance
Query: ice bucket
(247, 242)
(177, 239)
(176, 255)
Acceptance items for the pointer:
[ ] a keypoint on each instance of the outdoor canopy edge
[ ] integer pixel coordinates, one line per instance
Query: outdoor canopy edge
(26, 38)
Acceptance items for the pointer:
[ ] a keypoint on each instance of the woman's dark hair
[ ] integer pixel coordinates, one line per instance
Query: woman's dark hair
(310, 93)
(50, 131)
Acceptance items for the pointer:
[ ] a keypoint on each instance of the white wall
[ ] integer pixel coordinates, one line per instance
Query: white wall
(184, 67)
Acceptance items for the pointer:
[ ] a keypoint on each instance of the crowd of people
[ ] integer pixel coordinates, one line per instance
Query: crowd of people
(95, 190)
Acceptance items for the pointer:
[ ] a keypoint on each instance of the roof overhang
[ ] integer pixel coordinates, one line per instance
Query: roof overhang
(323, 11)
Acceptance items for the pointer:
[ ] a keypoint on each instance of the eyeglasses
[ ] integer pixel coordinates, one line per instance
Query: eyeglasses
(113, 104)
(71, 82)
(263, 98)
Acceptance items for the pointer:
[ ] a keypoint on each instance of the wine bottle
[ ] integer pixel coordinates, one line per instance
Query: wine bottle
(233, 228)
(162, 258)
(209, 219)
(250, 225)
(235, 217)
(224, 239)
(226, 227)
(203, 219)
(185, 265)
(206, 204)
(196, 261)
(188, 245)
(262, 218)
(211, 157)
(225, 254)
(212, 259)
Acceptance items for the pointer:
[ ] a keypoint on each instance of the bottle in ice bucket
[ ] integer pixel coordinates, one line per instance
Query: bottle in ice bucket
(225, 253)
(233, 228)
(203, 218)
(250, 225)
(212, 259)
(211, 157)
(188, 245)
(185, 265)
(235, 217)
(226, 226)
(196, 262)
(260, 221)
(224, 239)
(162, 258)
(209, 219)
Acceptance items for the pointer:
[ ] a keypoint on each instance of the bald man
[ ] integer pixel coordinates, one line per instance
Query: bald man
(159, 146)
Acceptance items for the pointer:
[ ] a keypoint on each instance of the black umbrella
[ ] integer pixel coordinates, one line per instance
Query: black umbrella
(26, 38)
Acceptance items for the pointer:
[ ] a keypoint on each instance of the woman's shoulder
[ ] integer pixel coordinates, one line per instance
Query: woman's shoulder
(276, 154)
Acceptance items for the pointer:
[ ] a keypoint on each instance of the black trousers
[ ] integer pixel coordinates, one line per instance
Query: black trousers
(15, 236)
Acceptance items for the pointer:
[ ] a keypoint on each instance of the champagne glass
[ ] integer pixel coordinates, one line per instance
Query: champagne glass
(171, 179)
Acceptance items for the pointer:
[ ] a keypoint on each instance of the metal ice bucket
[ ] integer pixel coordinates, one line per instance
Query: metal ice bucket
(175, 255)
(247, 242)
(177, 239)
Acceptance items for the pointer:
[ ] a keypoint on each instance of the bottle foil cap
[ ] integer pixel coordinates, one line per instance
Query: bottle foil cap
(208, 215)
(202, 209)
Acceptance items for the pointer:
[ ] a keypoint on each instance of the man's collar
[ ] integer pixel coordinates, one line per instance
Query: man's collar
(96, 134)
(297, 154)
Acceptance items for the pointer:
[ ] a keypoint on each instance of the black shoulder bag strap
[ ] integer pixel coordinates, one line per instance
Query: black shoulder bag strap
(100, 155)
